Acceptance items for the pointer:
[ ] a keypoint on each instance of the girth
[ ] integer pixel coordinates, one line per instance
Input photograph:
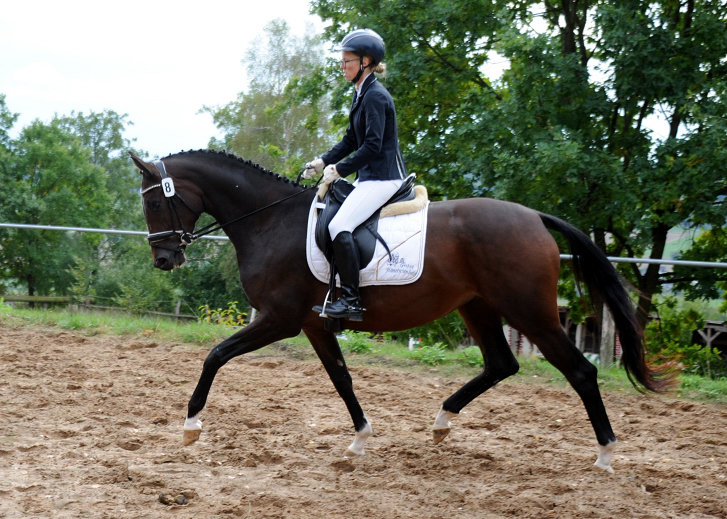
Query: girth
(365, 234)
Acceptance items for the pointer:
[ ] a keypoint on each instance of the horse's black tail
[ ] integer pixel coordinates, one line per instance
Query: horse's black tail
(592, 267)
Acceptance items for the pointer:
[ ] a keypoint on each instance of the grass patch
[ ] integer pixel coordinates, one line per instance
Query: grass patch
(95, 323)
(701, 388)
(536, 369)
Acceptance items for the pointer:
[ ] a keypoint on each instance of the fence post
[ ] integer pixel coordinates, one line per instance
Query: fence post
(580, 339)
(608, 339)
(176, 310)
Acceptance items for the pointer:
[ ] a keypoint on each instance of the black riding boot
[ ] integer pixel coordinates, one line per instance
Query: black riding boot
(345, 254)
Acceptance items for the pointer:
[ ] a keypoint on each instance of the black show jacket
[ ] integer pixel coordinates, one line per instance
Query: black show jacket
(372, 135)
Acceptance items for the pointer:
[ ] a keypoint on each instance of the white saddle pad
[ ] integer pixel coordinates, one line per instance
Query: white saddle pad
(405, 234)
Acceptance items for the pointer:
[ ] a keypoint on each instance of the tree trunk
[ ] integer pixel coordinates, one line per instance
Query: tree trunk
(30, 278)
(650, 280)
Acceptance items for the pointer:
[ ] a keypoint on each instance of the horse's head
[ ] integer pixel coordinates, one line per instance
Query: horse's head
(171, 208)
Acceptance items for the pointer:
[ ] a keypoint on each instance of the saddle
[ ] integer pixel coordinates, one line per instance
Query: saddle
(365, 234)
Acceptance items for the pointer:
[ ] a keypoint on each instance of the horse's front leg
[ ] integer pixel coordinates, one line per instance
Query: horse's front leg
(261, 332)
(328, 350)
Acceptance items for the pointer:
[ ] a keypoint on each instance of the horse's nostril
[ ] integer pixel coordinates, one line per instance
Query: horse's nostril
(160, 262)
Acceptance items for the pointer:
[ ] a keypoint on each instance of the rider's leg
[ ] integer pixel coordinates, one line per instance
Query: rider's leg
(363, 201)
(345, 255)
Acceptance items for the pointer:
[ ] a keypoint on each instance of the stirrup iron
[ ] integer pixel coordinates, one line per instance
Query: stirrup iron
(327, 301)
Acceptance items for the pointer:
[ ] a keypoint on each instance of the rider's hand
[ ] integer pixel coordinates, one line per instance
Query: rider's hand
(330, 174)
(314, 166)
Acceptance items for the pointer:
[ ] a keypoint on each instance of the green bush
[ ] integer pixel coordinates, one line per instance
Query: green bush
(473, 356)
(669, 338)
(431, 355)
(230, 317)
(355, 342)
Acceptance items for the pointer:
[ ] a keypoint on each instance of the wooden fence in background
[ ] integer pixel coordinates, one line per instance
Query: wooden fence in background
(88, 305)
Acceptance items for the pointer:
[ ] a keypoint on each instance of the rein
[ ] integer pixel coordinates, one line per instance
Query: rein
(187, 238)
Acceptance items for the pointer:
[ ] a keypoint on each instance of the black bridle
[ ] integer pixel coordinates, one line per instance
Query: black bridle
(186, 237)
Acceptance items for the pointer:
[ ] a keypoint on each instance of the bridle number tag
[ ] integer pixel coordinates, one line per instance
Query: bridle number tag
(168, 187)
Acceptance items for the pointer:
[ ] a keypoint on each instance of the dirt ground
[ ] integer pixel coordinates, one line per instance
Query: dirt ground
(91, 427)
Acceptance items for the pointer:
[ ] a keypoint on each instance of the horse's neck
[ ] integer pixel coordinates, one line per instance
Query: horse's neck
(270, 220)
(230, 195)
(265, 210)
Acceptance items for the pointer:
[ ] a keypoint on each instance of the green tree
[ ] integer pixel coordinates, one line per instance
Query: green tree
(75, 171)
(565, 129)
(49, 180)
(102, 133)
(265, 126)
(7, 120)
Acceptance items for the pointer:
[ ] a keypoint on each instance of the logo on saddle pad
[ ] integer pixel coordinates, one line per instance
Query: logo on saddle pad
(398, 265)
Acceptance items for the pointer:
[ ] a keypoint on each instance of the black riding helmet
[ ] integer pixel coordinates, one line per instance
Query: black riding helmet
(364, 42)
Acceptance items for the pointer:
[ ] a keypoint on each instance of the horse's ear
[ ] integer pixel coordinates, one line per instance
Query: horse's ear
(144, 167)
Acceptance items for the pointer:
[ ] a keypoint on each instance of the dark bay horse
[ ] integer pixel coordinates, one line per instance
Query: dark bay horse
(485, 258)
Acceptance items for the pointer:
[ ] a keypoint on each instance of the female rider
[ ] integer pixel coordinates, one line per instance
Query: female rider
(372, 138)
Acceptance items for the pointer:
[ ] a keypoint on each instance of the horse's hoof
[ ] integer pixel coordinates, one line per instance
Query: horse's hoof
(191, 436)
(439, 434)
(607, 468)
(350, 452)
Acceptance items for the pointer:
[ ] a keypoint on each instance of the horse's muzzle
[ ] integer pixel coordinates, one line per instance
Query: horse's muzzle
(169, 260)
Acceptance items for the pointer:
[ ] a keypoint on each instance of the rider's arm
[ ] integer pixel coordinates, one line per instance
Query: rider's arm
(342, 149)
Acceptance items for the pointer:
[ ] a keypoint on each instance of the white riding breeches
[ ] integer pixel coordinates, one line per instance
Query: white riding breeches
(363, 201)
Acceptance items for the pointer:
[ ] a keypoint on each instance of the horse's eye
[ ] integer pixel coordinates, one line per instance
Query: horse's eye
(154, 205)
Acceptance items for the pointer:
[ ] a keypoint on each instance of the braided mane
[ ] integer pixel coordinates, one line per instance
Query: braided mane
(235, 160)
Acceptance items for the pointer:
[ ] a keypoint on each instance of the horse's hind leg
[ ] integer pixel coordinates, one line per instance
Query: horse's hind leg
(486, 329)
(329, 352)
(558, 349)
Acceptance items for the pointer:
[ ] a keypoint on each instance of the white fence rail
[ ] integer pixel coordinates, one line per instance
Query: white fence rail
(682, 263)
(90, 229)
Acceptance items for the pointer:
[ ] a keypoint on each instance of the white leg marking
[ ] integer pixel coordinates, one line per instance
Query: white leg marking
(605, 453)
(442, 421)
(442, 425)
(193, 424)
(357, 447)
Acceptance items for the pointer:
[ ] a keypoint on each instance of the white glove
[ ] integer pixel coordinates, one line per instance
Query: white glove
(314, 166)
(330, 174)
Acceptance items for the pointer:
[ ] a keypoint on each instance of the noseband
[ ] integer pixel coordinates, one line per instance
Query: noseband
(185, 237)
